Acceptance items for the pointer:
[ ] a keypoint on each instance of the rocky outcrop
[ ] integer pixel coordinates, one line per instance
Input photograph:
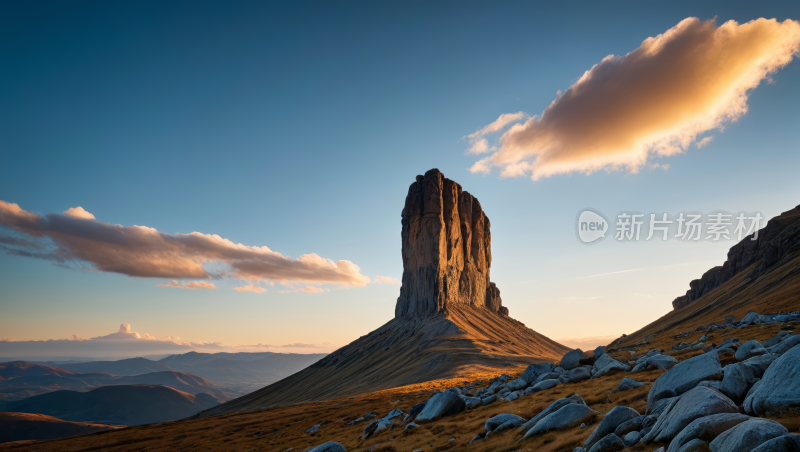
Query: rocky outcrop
(447, 252)
(778, 238)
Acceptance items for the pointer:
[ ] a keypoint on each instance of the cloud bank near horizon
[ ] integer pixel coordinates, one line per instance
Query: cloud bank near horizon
(653, 102)
(79, 240)
(127, 343)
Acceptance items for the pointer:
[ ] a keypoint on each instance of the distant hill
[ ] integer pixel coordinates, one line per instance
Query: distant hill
(26, 426)
(22, 387)
(123, 404)
(241, 372)
(131, 366)
(15, 369)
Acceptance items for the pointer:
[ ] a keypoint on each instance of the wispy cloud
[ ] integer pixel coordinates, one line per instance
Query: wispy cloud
(655, 100)
(252, 289)
(385, 280)
(188, 285)
(141, 251)
(307, 289)
(479, 144)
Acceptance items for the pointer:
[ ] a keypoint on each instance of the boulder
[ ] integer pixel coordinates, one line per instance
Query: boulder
(740, 377)
(706, 428)
(747, 436)
(778, 391)
(578, 374)
(663, 406)
(628, 383)
(601, 362)
(440, 405)
(750, 318)
(609, 424)
(329, 447)
(716, 384)
(728, 343)
(631, 438)
(630, 425)
(517, 384)
(477, 437)
(555, 406)
(610, 368)
(777, 338)
(685, 376)
(546, 384)
(503, 422)
(495, 387)
(572, 359)
(785, 443)
(510, 396)
(487, 400)
(410, 425)
(750, 349)
(695, 445)
(696, 403)
(785, 345)
(414, 411)
(566, 416)
(547, 376)
(662, 362)
(472, 402)
(730, 320)
(534, 370)
(599, 351)
(608, 443)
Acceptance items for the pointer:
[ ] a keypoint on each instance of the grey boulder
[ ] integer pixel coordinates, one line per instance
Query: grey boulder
(631, 438)
(472, 402)
(740, 377)
(572, 359)
(414, 411)
(628, 383)
(695, 445)
(785, 443)
(555, 406)
(546, 384)
(706, 428)
(777, 339)
(750, 349)
(630, 425)
(610, 368)
(696, 403)
(747, 436)
(599, 351)
(609, 424)
(547, 376)
(608, 443)
(517, 384)
(487, 400)
(440, 405)
(566, 416)
(534, 370)
(329, 447)
(685, 376)
(502, 422)
(578, 374)
(778, 391)
(785, 345)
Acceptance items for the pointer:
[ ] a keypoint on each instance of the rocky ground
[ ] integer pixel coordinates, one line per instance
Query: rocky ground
(741, 394)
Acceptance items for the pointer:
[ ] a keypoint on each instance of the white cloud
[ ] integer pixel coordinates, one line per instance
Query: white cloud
(385, 280)
(79, 212)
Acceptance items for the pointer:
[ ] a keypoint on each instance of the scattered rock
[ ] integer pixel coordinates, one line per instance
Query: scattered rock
(313, 429)
(477, 437)
(751, 318)
(787, 344)
(487, 400)
(568, 415)
(706, 428)
(546, 384)
(609, 424)
(785, 443)
(695, 445)
(517, 384)
(502, 422)
(548, 376)
(728, 343)
(696, 403)
(555, 406)
(631, 438)
(730, 320)
(777, 339)
(510, 396)
(410, 425)
(747, 436)
(778, 391)
(329, 447)
(608, 443)
(534, 370)
(740, 377)
(472, 402)
(684, 376)
(577, 374)
(572, 359)
(628, 383)
(440, 405)
(599, 351)
(630, 425)
(750, 349)
(610, 368)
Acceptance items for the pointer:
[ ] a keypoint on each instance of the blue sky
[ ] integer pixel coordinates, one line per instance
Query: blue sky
(300, 125)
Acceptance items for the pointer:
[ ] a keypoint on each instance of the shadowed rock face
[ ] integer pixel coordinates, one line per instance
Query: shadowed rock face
(446, 248)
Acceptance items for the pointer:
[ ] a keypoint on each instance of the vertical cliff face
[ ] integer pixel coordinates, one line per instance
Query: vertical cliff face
(446, 247)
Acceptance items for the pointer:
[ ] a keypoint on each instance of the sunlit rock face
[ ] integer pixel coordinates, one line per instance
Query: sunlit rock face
(446, 247)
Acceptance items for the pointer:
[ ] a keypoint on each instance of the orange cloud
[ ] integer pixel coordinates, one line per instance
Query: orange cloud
(654, 101)
(79, 212)
(253, 289)
(307, 289)
(145, 252)
(189, 285)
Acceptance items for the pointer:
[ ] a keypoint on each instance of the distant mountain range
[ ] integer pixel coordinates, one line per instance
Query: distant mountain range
(123, 404)
(21, 379)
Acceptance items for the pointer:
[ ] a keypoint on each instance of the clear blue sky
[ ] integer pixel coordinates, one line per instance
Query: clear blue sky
(300, 125)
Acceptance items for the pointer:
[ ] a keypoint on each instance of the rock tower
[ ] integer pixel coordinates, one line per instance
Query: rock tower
(447, 251)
